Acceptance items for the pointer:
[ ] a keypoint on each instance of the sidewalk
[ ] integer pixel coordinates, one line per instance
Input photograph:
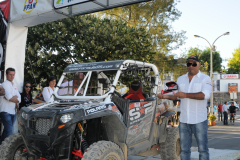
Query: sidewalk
(215, 154)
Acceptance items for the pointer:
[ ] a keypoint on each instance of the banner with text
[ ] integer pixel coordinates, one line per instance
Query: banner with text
(4, 11)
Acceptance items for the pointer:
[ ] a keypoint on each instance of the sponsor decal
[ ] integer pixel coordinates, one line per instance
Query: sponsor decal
(137, 104)
(137, 114)
(95, 109)
(59, 2)
(65, 3)
(29, 5)
(209, 83)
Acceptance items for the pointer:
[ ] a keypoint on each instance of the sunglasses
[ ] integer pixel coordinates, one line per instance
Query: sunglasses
(28, 86)
(192, 64)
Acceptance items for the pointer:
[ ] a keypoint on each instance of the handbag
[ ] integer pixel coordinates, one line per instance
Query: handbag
(39, 98)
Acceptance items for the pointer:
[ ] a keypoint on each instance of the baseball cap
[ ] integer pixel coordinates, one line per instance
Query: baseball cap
(194, 58)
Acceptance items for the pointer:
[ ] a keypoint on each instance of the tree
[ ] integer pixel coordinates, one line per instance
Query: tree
(156, 17)
(231, 71)
(53, 46)
(234, 62)
(194, 52)
(217, 60)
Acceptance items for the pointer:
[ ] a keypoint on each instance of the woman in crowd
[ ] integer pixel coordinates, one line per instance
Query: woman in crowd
(26, 95)
(48, 91)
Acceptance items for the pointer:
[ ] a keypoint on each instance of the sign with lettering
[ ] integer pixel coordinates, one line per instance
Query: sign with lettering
(229, 76)
(106, 65)
(65, 3)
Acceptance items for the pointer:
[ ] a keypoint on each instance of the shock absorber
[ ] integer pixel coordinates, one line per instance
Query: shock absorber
(84, 145)
(83, 142)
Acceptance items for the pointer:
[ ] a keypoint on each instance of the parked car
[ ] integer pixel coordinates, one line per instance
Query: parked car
(234, 103)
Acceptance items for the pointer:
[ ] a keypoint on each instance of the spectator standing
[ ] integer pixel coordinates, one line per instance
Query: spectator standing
(48, 91)
(26, 95)
(194, 90)
(232, 111)
(225, 113)
(220, 111)
(215, 110)
(9, 104)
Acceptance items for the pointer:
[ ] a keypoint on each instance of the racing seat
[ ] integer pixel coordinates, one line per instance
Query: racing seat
(135, 91)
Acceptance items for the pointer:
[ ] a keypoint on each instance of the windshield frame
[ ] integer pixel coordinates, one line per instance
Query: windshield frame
(107, 95)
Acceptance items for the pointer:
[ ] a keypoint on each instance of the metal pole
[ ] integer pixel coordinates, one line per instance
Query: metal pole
(211, 65)
(211, 76)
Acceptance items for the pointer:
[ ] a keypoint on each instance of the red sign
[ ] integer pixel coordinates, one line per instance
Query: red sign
(229, 76)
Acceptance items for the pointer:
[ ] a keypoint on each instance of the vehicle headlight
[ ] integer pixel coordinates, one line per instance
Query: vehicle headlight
(24, 115)
(66, 117)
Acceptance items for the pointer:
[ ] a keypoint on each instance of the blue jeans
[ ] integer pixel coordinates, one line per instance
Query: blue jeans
(8, 121)
(225, 121)
(231, 117)
(220, 115)
(200, 132)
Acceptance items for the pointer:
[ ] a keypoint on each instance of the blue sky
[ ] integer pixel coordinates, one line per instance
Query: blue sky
(209, 19)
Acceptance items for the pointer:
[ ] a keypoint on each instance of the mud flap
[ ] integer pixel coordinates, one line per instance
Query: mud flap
(162, 129)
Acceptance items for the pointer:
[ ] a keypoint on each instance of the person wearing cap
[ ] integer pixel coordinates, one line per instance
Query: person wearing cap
(194, 88)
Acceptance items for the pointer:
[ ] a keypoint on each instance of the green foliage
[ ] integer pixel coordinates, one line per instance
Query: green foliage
(217, 60)
(53, 46)
(234, 62)
(231, 71)
(169, 65)
(212, 117)
(156, 17)
(194, 52)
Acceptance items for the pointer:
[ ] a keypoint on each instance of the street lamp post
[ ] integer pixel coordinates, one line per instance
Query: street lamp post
(212, 49)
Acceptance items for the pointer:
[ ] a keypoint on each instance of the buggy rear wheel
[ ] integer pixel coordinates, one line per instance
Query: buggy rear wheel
(170, 149)
(13, 148)
(103, 150)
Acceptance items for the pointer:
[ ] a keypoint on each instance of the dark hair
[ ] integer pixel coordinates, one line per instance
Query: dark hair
(10, 69)
(30, 92)
(51, 78)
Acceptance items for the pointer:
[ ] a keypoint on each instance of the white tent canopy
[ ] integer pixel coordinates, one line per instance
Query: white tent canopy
(26, 13)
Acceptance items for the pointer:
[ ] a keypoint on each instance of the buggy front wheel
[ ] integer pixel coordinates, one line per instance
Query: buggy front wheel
(103, 150)
(13, 148)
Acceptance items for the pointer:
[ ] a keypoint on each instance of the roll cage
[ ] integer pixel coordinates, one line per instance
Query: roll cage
(121, 67)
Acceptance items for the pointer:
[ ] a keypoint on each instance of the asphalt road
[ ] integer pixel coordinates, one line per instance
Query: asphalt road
(223, 136)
